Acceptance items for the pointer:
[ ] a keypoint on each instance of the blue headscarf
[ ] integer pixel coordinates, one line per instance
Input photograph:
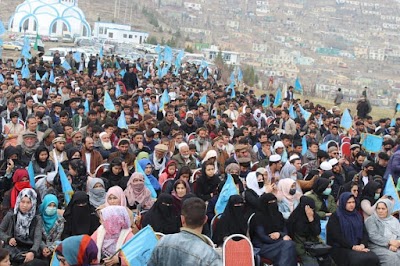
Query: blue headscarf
(351, 223)
(48, 221)
(154, 182)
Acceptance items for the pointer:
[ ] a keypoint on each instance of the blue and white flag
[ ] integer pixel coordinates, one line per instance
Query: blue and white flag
(122, 121)
(51, 78)
(65, 65)
(202, 100)
(372, 143)
(278, 98)
(108, 103)
(266, 102)
(297, 85)
(77, 57)
(346, 121)
(118, 90)
(16, 83)
(229, 189)
(390, 190)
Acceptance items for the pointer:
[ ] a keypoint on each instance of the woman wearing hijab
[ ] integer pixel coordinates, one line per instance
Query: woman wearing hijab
(207, 183)
(289, 196)
(267, 233)
(72, 153)
(80, 216)
(232, 220)
(147, 167)
(20, 181)
(118, 175)
(255, 188)
(161, 216)
(42, 165)
(77, 250)
(21, 230)
(347, 235)
(53, 224)
(169, 172)
(304, 226)
(288, 171)
(97, 192)
(78, 173)
(137, 193)
(384, 233)
(371, 193)
(114, 231)
(180, 190)
(183, 174)
(325, 204)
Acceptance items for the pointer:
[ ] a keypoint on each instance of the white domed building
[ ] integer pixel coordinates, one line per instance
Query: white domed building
(49, 17)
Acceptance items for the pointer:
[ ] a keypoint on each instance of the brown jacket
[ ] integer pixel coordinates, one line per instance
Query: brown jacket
(129, 158)
(95, 160)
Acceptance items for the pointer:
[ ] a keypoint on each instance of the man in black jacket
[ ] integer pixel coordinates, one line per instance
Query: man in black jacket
(130, 79)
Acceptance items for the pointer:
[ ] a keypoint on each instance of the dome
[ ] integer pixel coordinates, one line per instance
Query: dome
(50, 17)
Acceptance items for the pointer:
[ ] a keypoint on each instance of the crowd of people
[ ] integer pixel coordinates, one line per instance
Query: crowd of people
(186, 147)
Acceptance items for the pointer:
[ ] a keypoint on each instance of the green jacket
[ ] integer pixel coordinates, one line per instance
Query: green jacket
(318, 204)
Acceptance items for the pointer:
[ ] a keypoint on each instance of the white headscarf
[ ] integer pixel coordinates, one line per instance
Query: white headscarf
(252, 183)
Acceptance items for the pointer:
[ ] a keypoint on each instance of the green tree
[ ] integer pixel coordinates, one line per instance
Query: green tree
(189, 49)
(152, 40)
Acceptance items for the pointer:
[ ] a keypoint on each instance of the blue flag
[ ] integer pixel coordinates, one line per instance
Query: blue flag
(137, 251)
(324, 146)
(108, 103)
(65, 185)
(266, 102)
(99, 69)
(240, 75)
(18, 64)
(37, 76)
(306, 115)
(118, 90)
(292, 113)
(138, 68)
(346, 121)
(390, 190)
(165, 99)
(233, 94)
(26, 74)
(45, 76)
(278, 98)
(205, 73)
(26, 54)
(147, 75)
(77, 56)
(203, 100)
(2, 29)
(51, 78)
(31, 174)
(393, 122)
(122, 72)
(232, 77)
(297, 85)
(304, 145)
(140, 103)
(231, 86)
(372, 143)
(16, 83)
(227, 191)
(398, 107)
(122, 121)
(101, 53)
(86, 105)
(65, 65)
(147, 183)
(117, 65)
(1, 78)
(164, 71)
(157, 49)
(168, 55)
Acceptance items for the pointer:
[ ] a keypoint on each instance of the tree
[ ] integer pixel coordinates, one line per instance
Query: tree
(152, 40)
(189, 49)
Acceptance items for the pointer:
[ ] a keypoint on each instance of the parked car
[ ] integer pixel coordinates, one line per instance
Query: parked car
(16, 46)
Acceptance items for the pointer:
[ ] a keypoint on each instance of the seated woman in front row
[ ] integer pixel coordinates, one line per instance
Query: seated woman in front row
(347, 235)
(384, 233)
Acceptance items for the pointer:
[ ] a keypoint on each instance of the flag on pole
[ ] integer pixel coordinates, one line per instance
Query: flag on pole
(203, 100)
(108, 103)
(39, 46)
(304, 145)
(1, 78)
(267, 102)
(306, 115)
(37, 76)
(65, 185)
(137, 251)
(25, 72)
(205, 73)
(65, 65)
(86, 105)
(393, 122)
(122, 121)
(233, 94)
(18, 64)
(147, 75)
(117, 65)
(297, 85)
(292, 113)
(278, 98)
(45, 76)
(51, 78)
(118, 90)
(16, 83)
(101, 53)
(168, 55)
(227, 191)
(31, 174)
(390, 190)
(240, 75)
(147, 182)
(324, 146)
(77, 56)
(138, 67)
(99, 69)
(232, 77)
(372, 143)
(165, 99)
(140, 103)
(122, 72)
(346, 121)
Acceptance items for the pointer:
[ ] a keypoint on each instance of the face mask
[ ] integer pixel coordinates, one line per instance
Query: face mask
(377, 195)
(50, 211)
(327, 191)
(186, 156)
(292, 191)
(294, 177)
(261, 184)
(235, 176)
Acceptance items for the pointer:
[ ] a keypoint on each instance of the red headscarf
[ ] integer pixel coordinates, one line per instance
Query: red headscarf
(18, 184)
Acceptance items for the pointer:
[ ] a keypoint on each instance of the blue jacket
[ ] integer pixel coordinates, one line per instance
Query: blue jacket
(184, 248)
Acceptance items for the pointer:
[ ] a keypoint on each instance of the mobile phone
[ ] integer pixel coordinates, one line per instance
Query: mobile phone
(272, 180)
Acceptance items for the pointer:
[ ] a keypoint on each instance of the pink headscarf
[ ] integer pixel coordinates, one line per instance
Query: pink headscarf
(117, 192)
(284, 186)
(114, 219)
(137, 192)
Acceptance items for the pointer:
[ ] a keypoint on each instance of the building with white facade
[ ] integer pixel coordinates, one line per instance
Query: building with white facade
(49, 17)
(118, 33)
(231, 58)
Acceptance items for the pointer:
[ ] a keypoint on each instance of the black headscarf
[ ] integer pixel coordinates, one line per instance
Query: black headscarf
(71, 152)
(79, 181)
(161, 216)
(268, 214)
(232, 220)
(320, 185)
(369, 192)
(37, 153)
(78, 216)
(298, 222)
